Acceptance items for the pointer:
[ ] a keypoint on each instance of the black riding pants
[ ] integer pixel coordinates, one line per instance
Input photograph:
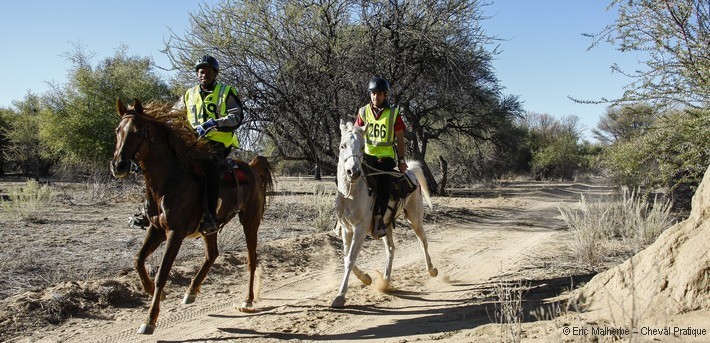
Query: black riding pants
(213, 177)
(383, 189)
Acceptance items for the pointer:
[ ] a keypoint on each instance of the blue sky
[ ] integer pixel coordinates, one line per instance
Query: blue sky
(543, 60)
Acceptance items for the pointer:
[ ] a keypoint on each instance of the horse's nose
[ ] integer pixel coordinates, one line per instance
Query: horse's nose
(120, 168)
(354, 173)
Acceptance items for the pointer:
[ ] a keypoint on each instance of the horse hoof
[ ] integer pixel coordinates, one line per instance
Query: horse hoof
(433, 272)
(338, 302)
(246, 307)
(366, 279)
(189, 299)
(146, 329)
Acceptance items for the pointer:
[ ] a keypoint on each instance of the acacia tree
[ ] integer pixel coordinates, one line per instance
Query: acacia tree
(292, 62)
(434, 54)
(301, 66)
(624, 123)
(674, 36)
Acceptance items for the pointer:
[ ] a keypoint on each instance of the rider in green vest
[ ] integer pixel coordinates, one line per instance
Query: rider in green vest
(384, 148)
(215, 111)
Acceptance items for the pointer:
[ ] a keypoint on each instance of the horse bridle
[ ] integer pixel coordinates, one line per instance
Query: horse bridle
(355, 155)
(352, 156)
(145, 132)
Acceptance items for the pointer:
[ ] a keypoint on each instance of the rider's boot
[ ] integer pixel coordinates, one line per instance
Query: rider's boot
(208, 225)
(379, 229)
(140, 220)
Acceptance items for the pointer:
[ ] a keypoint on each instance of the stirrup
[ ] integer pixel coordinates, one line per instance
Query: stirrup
(379, 229)
(208, 225)
(138, 221)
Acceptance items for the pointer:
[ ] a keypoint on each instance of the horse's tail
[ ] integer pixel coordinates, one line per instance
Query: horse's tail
(416, 168)
(264, 171)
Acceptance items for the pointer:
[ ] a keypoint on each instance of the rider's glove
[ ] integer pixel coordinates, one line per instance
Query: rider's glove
(206, 127)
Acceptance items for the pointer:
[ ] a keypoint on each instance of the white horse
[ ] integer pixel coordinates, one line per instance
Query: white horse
(354, 206)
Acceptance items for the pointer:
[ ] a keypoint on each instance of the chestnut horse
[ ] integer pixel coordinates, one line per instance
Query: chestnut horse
(165, 146)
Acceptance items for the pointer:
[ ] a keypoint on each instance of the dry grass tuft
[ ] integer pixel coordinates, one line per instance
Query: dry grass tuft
(27, 203)
(614, 227)
(509, 310)
(323, 205)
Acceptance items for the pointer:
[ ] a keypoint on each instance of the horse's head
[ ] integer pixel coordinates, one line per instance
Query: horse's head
(130, 136)
(352, 149)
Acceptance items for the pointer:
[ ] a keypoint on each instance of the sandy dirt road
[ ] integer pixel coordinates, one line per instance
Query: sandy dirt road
(478, 241)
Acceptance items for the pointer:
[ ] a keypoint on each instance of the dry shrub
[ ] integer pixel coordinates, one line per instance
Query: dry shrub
(642, 221)
(589, 226)
(509, 310)
(63, 301)
(314, 206)
(323, 204)
(102, 188)
(598, 227)
(28, 202)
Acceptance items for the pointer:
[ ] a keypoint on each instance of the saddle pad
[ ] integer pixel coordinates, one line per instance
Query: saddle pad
(240, 175)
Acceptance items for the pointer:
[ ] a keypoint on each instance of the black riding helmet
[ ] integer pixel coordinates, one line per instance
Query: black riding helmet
(378, 84)
(207, 61)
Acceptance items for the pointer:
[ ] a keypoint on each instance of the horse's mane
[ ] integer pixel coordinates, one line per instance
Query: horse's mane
(181, 136)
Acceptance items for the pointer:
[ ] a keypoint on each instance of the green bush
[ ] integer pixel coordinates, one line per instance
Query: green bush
(673, 153)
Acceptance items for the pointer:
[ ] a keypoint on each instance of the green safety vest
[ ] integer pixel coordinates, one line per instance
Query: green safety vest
(199, 111)
(379, 137)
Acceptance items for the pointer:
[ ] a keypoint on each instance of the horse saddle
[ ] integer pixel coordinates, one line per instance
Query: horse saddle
(231, 171)
(235, 172)
(403, 184)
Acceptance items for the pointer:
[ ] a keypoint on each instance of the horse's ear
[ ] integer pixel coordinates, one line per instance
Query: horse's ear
(361, 129)
(120, 108)
(343, 125)
(137, 105)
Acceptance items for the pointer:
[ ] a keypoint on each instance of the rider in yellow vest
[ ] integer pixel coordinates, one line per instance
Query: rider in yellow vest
(384, 148)
(215, 111)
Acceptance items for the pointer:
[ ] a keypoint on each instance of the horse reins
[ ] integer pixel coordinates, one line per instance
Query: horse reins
(380, 171)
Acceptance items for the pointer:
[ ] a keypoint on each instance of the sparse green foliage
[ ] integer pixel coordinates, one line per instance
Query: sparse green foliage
(5, 117)
(673, 39)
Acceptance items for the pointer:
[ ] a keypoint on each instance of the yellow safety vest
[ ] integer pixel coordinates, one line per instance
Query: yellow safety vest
(214, 104)
(379, 137)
